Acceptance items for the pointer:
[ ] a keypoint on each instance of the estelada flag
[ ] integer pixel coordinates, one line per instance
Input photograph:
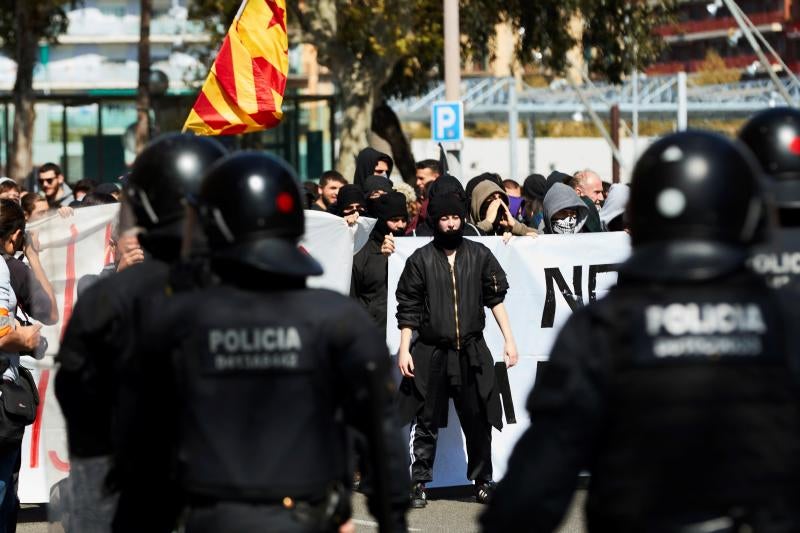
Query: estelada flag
(244, 90)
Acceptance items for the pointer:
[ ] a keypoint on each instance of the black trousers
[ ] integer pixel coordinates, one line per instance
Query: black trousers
(471, 411)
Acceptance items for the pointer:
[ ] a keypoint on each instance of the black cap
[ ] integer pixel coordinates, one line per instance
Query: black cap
(348, 194)
(251, 209)
(377, 183)
(446, 204)
(695, 186)
(164, 173)
(556, 177)
(535, 186)
(391, 205)
(774, 138)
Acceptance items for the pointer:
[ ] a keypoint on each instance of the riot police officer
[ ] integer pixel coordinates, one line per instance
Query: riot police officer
(96, 375)
(774, 138)
(264, 373)
(678, 391)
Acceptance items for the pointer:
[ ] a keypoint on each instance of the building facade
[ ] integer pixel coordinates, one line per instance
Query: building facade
(707, 25)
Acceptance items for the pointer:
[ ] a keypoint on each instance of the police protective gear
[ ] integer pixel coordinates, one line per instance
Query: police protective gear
(250, 207)
(695, 185)
(168, 169)
(774, 138)
(679, 389)
(99, 369)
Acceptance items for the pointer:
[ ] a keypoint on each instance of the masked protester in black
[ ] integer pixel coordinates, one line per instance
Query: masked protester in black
(774, 138)
(370, 264)
(444, 185)
(98, 373)
(440, 295)
(349, 201)
(677, 391)
(370, 162)
(293, 365)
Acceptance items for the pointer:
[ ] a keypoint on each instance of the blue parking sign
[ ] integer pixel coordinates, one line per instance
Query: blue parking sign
(447, 122)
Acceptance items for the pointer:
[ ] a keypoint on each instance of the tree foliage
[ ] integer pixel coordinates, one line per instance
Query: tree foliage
(376, 49)
(46, 19)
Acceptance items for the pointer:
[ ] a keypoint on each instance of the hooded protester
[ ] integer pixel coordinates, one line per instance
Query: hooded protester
(564, 211)
(440, 296)
(533, 191)
(444, 185)
(370, 162)
(350, 204)
(471, 184)
(612, 213)
(368, 281)
(493, 218)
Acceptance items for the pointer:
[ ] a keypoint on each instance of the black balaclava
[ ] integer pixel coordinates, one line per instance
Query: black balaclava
(445, 184)
(442, 205)
(372, 184)
(348, 194)
(387, 207)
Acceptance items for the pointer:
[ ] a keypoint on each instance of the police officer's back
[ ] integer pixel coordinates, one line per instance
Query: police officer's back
(774, 138)
(677, 391)
(264, 372)
(94, 379)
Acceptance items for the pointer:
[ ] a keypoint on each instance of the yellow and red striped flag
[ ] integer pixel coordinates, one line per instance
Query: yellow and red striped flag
(244, 90)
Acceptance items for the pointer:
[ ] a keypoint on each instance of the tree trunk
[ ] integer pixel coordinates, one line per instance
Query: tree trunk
(386, 124)
(358, 99)
(21, 160)
(143, 89)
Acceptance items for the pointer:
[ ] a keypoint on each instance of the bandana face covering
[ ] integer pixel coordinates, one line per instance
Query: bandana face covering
(565, 225)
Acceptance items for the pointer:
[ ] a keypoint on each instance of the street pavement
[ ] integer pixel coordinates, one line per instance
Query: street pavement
(455, 513)
(448, 513)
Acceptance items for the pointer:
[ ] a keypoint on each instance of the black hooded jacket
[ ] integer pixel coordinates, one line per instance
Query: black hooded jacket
(368, 280)
(365, 165)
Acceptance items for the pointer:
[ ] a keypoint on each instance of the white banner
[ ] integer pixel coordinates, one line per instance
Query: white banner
(572, 268)
(548, 276)
(70, 248)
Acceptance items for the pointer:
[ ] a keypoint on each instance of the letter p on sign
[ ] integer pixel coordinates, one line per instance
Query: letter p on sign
(447, 122)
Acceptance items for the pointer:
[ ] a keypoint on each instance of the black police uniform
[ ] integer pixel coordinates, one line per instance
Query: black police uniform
(774, 138)
(98, 372)
(259, 375)
(678, 392)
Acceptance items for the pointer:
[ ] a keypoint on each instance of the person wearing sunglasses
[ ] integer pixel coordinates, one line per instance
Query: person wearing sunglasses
(52, 184)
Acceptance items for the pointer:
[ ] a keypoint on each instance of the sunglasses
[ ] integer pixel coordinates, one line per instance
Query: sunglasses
(46, 181)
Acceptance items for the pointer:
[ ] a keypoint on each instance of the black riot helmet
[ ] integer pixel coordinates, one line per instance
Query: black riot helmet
(252, 213)
(163, 174)
(696, 186)
(774, 138)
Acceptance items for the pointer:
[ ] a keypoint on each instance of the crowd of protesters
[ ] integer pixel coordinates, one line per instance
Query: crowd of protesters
(26, 294)
(560, 203)
(443, 207)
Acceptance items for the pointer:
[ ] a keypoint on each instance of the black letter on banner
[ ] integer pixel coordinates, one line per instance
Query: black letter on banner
(574, 300)
(594, 270)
